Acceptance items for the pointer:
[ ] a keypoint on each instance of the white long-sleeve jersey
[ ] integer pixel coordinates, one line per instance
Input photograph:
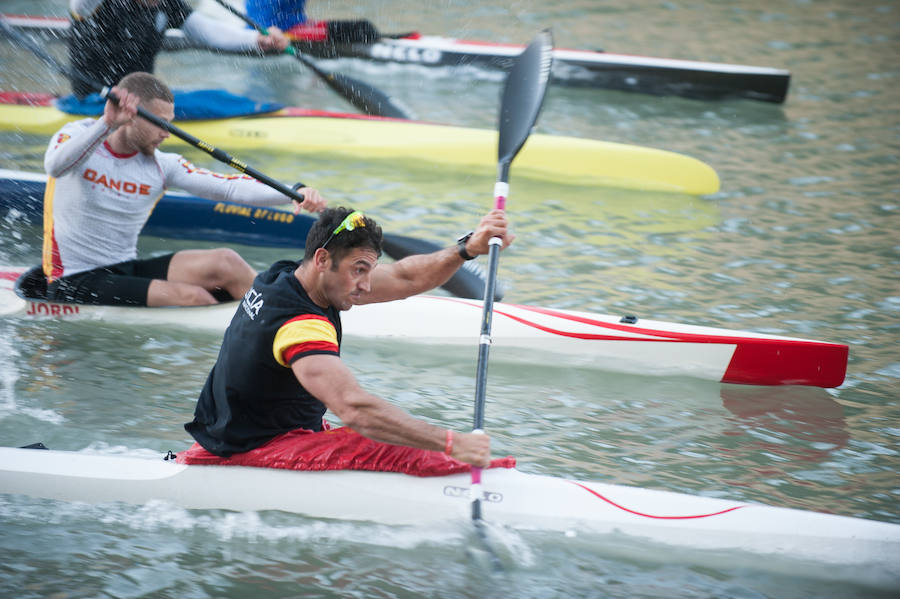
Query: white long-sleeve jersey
(204, 29)
(97, 201)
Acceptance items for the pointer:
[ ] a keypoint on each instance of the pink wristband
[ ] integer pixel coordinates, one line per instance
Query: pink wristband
(448, 448)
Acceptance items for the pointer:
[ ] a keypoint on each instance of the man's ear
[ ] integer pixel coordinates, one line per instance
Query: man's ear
(322, 259)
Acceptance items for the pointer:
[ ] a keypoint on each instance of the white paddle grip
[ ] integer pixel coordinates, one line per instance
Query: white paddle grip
(501, 189)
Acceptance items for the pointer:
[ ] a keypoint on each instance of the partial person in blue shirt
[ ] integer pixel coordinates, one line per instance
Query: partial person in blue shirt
(283, 14)
(290, 17)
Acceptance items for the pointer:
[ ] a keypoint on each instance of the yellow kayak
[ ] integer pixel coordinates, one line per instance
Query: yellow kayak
(553, 158)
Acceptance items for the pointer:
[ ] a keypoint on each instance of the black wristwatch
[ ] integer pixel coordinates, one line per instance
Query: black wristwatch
(461, 246)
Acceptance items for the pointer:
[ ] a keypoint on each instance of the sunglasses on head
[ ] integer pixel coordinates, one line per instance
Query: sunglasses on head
(354, 219)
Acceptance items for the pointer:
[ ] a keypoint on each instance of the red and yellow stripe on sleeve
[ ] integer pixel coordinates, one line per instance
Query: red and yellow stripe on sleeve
(304, 334)
(51, 260)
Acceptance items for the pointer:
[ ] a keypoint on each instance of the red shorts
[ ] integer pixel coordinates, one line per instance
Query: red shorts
(338, 449)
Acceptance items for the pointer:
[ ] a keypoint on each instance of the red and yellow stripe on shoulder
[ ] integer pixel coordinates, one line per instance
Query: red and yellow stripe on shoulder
(50, 259)
(304, 334)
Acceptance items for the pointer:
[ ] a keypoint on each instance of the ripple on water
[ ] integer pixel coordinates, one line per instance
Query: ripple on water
(802, 238)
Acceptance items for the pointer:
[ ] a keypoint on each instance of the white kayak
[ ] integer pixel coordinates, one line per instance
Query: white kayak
(510, 498)
(521, 333)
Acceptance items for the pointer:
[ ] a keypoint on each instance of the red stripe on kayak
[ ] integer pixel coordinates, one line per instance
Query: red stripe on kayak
(293, 111)
(670, 336)
(673, 335)
(487, 44)
(756, 361)
(822, 365)
(26, 98)
(310, 31)
(643, 515)
(39, 18)
(7, 275)
(585, 336)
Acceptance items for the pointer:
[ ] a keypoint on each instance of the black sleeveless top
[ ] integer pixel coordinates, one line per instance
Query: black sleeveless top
(120, 37)
(251, 394)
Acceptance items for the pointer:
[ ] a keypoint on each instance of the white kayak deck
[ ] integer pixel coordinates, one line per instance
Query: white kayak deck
(522, 333)
(511, 498)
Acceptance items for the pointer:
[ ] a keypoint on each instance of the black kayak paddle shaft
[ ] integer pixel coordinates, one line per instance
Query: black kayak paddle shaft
(523, 96)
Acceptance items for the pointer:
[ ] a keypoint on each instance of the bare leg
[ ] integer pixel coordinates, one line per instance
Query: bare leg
(166, 293)
(194, 274)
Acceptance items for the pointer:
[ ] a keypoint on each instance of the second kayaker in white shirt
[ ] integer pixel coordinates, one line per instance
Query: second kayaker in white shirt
(106, 176)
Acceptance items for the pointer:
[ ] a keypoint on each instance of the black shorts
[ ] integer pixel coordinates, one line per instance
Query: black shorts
(125, 283)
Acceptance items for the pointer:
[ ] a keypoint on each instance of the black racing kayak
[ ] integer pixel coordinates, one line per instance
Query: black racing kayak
(578, 68)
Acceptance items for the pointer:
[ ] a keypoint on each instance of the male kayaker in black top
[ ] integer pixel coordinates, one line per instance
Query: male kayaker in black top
(279, 367)
(111, 38)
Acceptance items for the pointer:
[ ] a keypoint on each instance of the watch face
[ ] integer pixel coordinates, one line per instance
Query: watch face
(461, 246)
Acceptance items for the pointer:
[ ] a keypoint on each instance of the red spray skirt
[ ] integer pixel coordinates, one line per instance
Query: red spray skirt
(338, 449)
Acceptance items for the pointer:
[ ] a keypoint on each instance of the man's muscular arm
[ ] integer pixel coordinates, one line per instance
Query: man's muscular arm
(328, 379)
(423, 272)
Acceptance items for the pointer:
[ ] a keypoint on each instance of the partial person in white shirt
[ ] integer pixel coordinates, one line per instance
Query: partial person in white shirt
(111, 38)
(105, 177)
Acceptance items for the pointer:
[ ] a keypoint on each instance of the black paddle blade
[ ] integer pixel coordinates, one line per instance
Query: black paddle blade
(367, 98)
(362, 95)
(523, 96)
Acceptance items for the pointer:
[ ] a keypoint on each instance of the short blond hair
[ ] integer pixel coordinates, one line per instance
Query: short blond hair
(147, 87)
